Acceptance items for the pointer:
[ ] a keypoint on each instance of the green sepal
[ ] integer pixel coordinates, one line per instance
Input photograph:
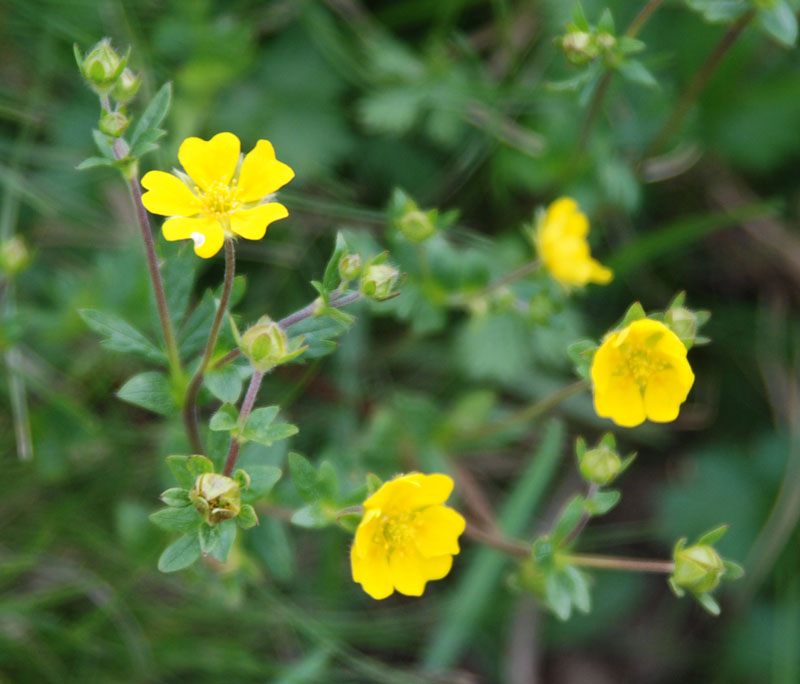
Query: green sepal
(708, 603)
(609, 441)
(680, 592)
(374, 483)
(733, 571)
(580, 448)
(712, 536)
(635, 312)
(606, 22)
(581, 354)
(247, 517)
(243, 478)
(176, 497)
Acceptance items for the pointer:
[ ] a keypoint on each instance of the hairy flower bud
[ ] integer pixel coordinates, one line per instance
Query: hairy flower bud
(350, 266)
(267, 346)
(378, 281)
(114, 124)
(600, 465)
(126, 87)
(216, 497)
(14, 256)
(417, 225)
(698, 568)
(580, 47)
(102, 66)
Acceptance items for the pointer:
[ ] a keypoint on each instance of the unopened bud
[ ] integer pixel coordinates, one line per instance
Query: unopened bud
(14, 256)
(686, 324)
(350, 266)
(114, 124)
(126, 87)
(378, 281)
(102, 66)
(698, 568)
(417, 225)
(606, 41)
(579, 47)
(600, 465)
(267, 346)
(216, 497)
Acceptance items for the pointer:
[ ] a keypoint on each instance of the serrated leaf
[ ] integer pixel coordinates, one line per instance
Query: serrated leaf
(305, 478)
(91, 162)
(150, 390)
(311, 516)
(260, 428)
(183, 519)
(226, 418)
(180, 554)
(121, 336)
(636, 72)
(780, 23)
(227, 535)
(569, 518)
(153, 114)
(224, 383)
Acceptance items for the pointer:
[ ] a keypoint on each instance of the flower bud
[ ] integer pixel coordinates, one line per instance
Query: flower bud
(14, 256)
(126, 87)
(102, 66)
(600, 465)
(378, 281)
(114, 124)
(350, 266)
(265, 344)
(216, 497)
(417, 225)
(579, 47)
(698, 568)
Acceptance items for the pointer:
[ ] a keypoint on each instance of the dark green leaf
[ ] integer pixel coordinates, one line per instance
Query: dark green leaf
(153, 114)
(330, 280)
(712, 536)
(150, 390)
(183, 519)
(305, 478)
(224, 383)
(120, 335)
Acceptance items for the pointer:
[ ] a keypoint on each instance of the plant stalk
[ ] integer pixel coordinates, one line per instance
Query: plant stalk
(618, 563)
(193, 389)
(247, 407)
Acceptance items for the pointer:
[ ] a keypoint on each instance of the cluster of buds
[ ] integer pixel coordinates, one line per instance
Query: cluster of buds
(107, 74)
(602, 464)
(699, 569)
(584, 43)
(267, 346)
(413, 223)
(379, 279)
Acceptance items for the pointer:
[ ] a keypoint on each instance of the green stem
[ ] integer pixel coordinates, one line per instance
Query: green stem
(697, 84)
(587, 560)
(247, 407)
(193, 389)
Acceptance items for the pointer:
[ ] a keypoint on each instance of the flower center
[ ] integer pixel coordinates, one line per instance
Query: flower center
(640, 364)
(397, 530)
(220, 199)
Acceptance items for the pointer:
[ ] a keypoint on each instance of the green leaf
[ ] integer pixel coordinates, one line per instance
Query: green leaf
(177, 497)
(177, 464)
(226, 418)
(224, 383)
(579, 588)
(150, 390)
(178, 271)
(712, 536)
(328, 481)
(579, 17)
(209, 536)
(581, 353)
(120, 335)
(557, 589)
(262, 479)
(331, 279)
(103, 145)
(153, 114)
(147, 142)
(606, 22)
(719, 11)
(312, 516)
(227, 535)
(602, 502)
(305, 478)
(194, 334)
(180, 554)
(273, 547)
(318, 332)
(183, 519)
(198, 464)
(569, 518)
(259, 427)
(780, 23)
(636, 72)
(91, 162)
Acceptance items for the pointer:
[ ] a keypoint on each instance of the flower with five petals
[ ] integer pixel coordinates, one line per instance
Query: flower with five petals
(220, 195)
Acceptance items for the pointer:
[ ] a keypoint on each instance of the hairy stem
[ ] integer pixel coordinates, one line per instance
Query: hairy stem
(600, 93)
(512, 548)
(193, 389)
(247, 407)
(697, 84)
(587, 560)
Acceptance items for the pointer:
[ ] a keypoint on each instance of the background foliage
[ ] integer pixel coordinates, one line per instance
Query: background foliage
(454, 102)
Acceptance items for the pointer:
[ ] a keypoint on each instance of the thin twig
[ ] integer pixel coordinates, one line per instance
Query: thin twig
(193, 389)
(512, 548)
(619, 563)
(247, 407)
(516, 274)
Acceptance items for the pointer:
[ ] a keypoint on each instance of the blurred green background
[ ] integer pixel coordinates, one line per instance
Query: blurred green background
(452, 101)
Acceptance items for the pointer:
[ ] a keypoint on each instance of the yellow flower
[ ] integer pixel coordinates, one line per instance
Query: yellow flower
(641, 372)
(220, 195)
(562, 246)
(406, 537)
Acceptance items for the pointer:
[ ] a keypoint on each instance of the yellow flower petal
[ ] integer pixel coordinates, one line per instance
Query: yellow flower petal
(368, 528)
(438, 530)
(437, 567)
(406, 571)
(664, 395)
(168, 195)
(372, 573)
(261, 173)
(210, 161)
(206, 232)
(600, 274)
(252, 223)
(622, 402)
(411, 491)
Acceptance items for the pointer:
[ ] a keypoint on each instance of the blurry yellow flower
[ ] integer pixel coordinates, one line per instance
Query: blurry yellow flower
(220, 195)
(406, 537)
(641, 372)
(562, 246)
